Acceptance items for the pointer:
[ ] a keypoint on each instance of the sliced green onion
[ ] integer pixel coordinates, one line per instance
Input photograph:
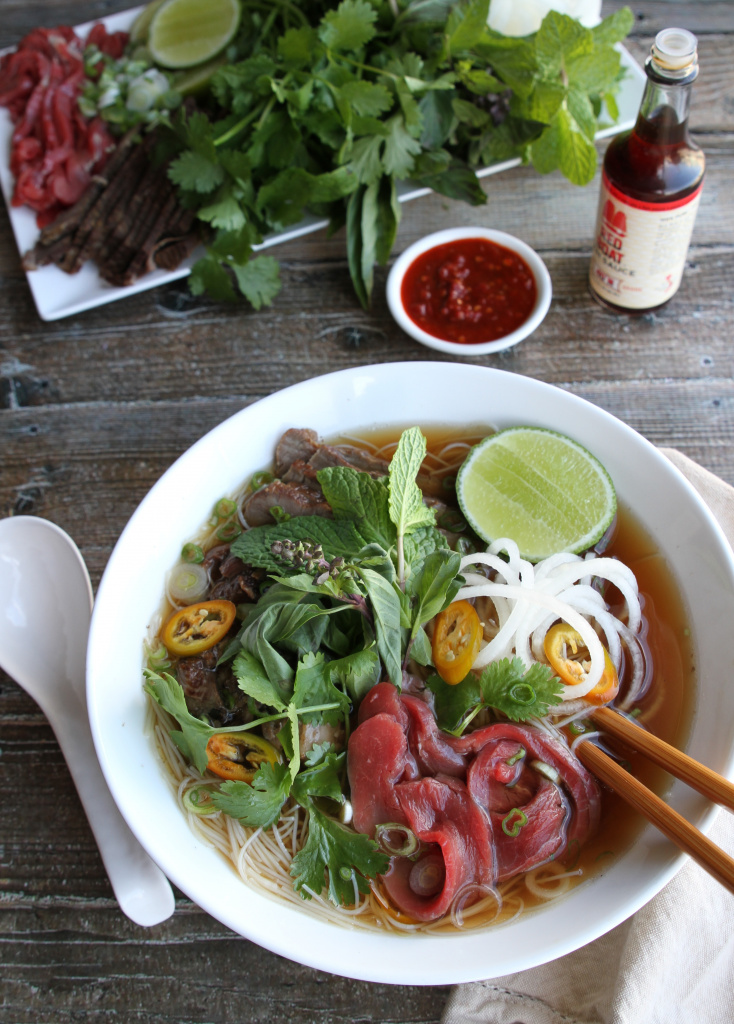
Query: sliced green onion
(516, 757)
(260, 479)
(199, 800)
(635, 712)
(224, 508)
(229, 531)
(192, 553)
(346, 873)
(577, 728)
(547, 770)
(449, 483)
(279, 514)
(385, 836)
(513, 822)
(157, 656)
(523, 693)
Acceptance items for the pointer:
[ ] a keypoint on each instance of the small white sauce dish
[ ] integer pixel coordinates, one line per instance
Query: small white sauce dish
(405, 260)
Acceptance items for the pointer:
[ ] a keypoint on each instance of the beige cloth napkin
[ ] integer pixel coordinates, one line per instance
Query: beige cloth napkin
(671, 963)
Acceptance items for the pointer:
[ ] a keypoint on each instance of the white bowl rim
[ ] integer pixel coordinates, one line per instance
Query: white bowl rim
(388, 958)
(535, 263)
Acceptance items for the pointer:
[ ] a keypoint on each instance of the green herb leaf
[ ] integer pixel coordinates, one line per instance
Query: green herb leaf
(336, 856)
(350, 26)
(407, 509)
(258, 280)
(257, 804)
(313, 687)
(337, 538)
(322, 779)
(518, 692)
(194, 734)
(385, 605)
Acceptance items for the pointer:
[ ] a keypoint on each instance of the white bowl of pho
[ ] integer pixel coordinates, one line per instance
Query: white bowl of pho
(342, 712)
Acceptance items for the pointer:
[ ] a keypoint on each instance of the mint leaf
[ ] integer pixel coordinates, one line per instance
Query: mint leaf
(358, 497)
(559, 39)
(337, 538)
(465, 25)
(614, 28)
(407, 509)
(336, 856)
(257, 804)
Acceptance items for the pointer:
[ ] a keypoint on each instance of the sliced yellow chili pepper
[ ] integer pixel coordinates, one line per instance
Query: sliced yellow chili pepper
(566, 651)
(198, 627)
(238, 755)
(457, 636)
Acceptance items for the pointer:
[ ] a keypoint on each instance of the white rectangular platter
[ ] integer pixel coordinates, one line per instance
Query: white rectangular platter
(58, 295)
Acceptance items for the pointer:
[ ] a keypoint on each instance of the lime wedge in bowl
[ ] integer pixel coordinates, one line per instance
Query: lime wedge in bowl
(539, 488)
(184, 33)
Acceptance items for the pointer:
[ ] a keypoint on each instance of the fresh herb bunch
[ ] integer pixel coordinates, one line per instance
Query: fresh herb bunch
(325, 109)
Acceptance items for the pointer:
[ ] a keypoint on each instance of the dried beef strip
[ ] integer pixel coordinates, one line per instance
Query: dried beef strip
(170, 253)
(128, 221)
(104, 215)
(141, 259)
(68, 221)
(141, 217)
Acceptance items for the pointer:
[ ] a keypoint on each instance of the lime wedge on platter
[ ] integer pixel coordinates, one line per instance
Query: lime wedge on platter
(184, 33)
(539, 488)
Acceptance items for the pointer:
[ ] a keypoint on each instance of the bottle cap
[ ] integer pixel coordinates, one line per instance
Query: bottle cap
(674, 49)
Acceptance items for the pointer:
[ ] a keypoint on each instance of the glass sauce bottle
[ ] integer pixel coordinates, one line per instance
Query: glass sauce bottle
(651, 185)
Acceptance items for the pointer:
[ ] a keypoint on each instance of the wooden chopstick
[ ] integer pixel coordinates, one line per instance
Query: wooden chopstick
(688, 838)
(683, 767)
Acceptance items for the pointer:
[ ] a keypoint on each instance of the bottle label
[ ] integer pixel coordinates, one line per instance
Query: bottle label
(640, 248)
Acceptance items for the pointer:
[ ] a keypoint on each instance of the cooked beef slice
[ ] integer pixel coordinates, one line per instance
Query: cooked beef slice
(294, 499)
(212, 692)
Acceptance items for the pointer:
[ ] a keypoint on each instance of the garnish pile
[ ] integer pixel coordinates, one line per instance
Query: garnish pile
(326, 109)
(345, 605)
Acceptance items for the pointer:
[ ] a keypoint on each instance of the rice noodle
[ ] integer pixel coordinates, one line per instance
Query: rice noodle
(529, 599)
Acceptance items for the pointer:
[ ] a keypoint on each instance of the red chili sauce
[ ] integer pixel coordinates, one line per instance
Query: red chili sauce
(469, 291)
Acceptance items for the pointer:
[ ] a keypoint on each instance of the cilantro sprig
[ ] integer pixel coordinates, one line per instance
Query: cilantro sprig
(326, 108)
(507, 686)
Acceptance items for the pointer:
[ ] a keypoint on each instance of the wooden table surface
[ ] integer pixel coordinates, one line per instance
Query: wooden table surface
(95, 407)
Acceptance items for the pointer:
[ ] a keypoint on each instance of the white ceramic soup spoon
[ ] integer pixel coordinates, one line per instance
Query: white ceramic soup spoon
(45, 610)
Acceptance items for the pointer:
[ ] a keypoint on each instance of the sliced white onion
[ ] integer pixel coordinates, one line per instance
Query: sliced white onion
(562, 611)
(529, 599)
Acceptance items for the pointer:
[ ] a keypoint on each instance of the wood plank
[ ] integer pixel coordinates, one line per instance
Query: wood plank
(189, 969)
